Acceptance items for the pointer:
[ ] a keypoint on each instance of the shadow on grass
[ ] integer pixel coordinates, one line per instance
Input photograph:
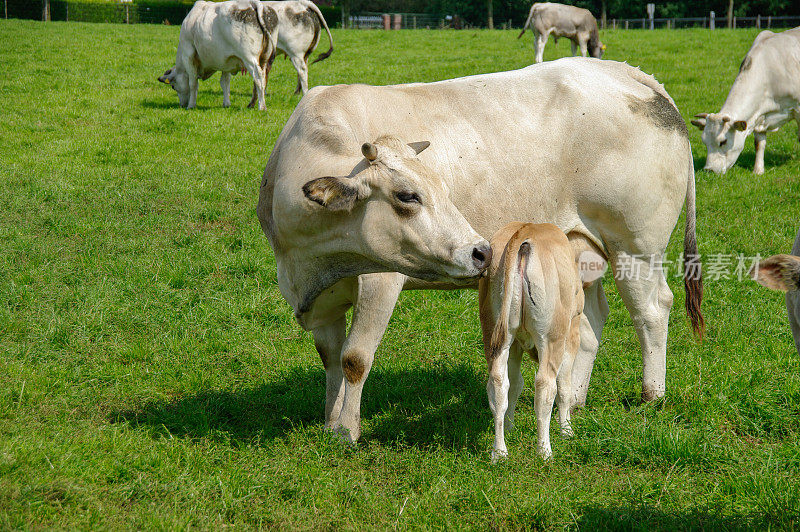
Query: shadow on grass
(652, 519)
(424, 407)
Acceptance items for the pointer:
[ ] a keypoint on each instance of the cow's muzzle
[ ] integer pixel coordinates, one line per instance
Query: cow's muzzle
(482, 256)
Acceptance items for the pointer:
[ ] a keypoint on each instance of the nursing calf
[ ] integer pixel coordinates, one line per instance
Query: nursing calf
(532, 301)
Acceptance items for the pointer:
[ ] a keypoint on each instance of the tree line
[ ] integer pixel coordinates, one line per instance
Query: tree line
(478, 12)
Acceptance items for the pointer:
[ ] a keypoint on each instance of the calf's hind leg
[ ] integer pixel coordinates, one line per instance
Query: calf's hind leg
(516, 383)
(497, 389)
(550, 355)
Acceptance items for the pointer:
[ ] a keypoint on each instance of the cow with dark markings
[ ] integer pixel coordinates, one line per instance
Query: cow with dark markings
(228, 37)
(298, 31)
(559, 20)
(595, 147)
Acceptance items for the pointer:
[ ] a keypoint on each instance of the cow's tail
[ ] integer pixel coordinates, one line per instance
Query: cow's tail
(527, 22)
(315, 9)
(256, 5)
(516, 256)
(692, 269)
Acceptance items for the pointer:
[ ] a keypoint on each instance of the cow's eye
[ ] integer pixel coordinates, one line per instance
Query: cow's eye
(408, 197)
(724, 142)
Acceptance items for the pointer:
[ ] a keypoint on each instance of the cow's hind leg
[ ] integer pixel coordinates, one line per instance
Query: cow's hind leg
(259, 81)
(760, 140)
(302, 73)
(225, 85)
(329, 340)
(538, 46)
(375, 301)
(595, 313)
(648, 298)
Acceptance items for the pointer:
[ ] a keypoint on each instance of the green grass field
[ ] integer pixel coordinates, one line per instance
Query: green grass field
(152, 376)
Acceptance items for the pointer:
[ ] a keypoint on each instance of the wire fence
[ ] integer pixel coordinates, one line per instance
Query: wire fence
(171, 12)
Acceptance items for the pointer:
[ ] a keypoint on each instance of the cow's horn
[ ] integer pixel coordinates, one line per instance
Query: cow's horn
(726, 118)
(701, 115)
(369, 151)
(418, 147)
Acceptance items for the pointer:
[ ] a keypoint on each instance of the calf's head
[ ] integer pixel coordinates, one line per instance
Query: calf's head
(179, 81)
(394, 212)
(724, 138)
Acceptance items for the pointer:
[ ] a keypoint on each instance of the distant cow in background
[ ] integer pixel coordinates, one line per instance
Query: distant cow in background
(225, 36)
(782, 272)
(764, 97)
(299, 25)
(576, 24)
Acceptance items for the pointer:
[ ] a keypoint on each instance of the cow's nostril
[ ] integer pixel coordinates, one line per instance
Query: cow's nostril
(481, 256)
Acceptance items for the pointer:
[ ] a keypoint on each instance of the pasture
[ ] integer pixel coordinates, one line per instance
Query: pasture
(152, 376)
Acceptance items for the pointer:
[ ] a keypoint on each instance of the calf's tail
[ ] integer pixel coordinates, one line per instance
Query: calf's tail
(516, 256)
(692, 269)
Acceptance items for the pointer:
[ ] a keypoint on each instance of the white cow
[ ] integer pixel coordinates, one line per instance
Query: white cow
(576, 24)
(782, 272)
(299, 24)
(764, 97)
(225, 36)
(595, 147)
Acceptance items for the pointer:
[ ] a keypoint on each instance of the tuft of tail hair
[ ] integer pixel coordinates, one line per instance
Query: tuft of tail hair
(692, 268)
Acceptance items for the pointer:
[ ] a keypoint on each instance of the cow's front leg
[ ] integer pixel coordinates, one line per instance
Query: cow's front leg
(760, 139)
(193, 87)
(374, 304)
(225, 85)
(595, 313)
(329, 340)
(648, 298)
(573, 47)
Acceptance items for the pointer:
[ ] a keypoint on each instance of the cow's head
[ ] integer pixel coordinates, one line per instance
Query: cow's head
(393, 211)
(779, 272)
(724, 137)
(179, 81)
(597, 50)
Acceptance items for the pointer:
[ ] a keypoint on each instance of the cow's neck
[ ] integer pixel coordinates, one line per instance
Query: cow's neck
(751, 99)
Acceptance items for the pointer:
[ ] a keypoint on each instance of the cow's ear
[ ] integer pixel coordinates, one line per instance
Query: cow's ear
(336, 193)
(779, 272)
(740, 125)
(700, 121)
(419, 147)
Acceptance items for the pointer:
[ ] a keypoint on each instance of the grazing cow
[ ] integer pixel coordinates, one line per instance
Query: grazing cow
(299, 24)
(596, 147)
(225, 36)
(532, 301)
(764, 97)
(782, 272)
(576, 24)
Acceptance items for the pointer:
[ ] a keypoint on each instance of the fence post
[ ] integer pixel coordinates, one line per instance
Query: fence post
(626, 23)
(614, 23)
(127, 14)
(734, 22)
(45, 10)
(758, 21)
(66, 10)
(769, 21)
(6, 6)
(397, 21)
(712, 21)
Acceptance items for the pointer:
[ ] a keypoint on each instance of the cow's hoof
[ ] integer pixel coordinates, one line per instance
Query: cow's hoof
(566, 432)
(498, 455)
(343, 435)
(649, 394)
(546, 454)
